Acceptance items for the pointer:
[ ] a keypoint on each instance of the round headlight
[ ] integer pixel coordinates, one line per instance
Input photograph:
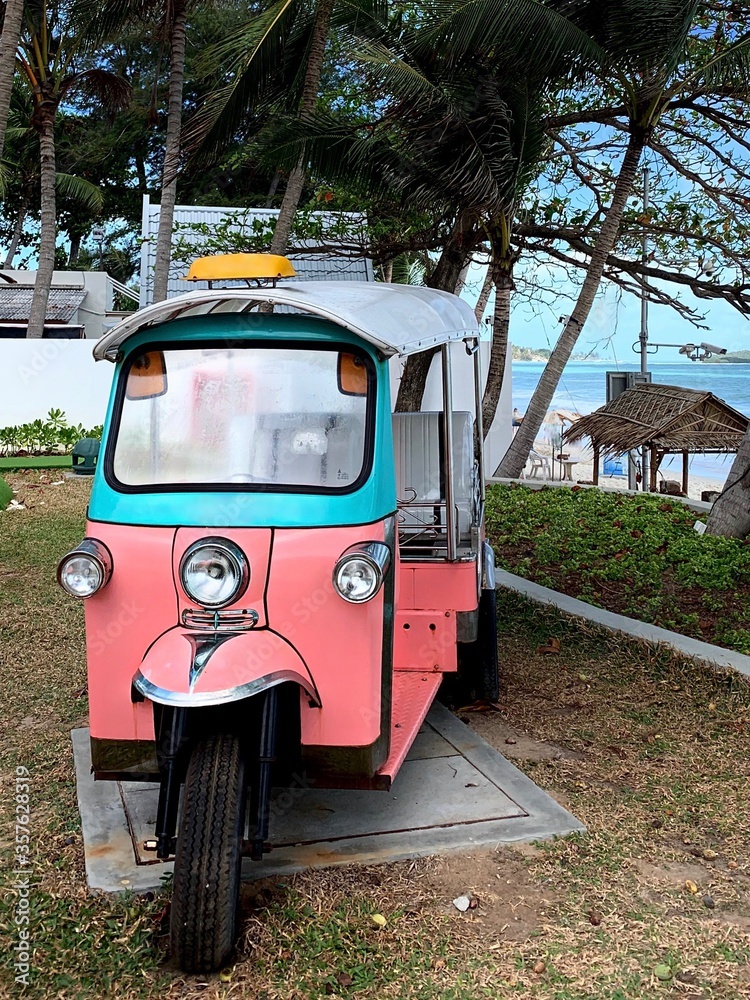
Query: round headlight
(81, 575)
(357, 578)
(214, 572)
(86, 569)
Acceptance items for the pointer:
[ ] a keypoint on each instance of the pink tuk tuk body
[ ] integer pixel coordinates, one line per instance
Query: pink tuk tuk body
(278, 571)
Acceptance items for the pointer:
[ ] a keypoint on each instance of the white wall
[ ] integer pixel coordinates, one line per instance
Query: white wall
(38, 375)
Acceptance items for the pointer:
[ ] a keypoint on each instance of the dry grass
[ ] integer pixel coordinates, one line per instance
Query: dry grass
(650, 753)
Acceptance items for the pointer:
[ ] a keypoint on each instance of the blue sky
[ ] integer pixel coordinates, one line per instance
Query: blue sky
(615, 321)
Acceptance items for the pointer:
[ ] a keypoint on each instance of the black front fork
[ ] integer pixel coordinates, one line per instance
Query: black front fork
(260, 788)
(170, 738)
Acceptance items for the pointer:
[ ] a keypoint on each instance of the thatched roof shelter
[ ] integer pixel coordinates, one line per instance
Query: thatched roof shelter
(666, 419)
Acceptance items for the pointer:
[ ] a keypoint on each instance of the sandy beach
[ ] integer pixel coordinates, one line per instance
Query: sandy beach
(583, 471)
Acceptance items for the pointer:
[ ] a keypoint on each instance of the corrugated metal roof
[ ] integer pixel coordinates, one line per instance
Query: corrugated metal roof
(62, 305)
(309, 267)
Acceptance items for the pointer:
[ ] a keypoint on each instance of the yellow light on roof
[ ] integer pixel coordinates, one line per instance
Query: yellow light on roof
(242, 266)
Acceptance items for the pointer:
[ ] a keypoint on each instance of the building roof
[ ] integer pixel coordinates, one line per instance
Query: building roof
(397, 319)
(668, 417)
(191, 221)
(62, 305)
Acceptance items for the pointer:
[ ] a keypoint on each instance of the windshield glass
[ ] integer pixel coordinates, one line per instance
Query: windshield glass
(262, 416)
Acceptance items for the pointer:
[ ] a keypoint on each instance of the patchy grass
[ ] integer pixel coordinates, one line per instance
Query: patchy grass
(651, 753)
(639, 556)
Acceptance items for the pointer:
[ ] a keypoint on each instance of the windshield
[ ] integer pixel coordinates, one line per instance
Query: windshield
(261, 416)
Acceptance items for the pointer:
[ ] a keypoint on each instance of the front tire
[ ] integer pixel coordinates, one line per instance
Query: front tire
(208, 859)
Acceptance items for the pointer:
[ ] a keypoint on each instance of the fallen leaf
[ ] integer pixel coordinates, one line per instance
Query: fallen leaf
(225, 976)
(552, 646)
(378, 919)
(691, 886)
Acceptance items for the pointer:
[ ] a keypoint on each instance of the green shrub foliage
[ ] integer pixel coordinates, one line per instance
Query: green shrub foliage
(53, 436)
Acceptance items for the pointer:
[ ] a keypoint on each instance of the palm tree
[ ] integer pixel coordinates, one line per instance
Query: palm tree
(647, 41)
(47, 57)
(175, 22)
(276, 62)
(103, 20)
(22, 156)
(12, 21)
(463, 134)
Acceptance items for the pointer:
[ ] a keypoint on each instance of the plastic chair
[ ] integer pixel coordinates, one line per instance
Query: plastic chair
(538, 464)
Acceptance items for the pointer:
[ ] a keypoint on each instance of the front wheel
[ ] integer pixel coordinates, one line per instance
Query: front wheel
(208, 859)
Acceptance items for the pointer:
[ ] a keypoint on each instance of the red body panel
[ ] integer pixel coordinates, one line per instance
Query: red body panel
(425, 641)
(339, 643)
(440, 585)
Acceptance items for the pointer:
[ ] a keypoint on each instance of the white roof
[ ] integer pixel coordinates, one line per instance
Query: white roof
(397, 319)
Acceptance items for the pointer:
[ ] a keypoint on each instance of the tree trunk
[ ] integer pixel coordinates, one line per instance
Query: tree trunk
(502, 273)
(272, 189)
(140, 169)
(17, 234)
(310, 90)
(484, 296)
(75, 249)
(48, 217)
(8, 45)
(730, 515)
(516, 456)
(446, 276)
(171, 152)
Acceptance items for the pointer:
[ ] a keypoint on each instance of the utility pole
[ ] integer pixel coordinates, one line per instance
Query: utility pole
(643, 335)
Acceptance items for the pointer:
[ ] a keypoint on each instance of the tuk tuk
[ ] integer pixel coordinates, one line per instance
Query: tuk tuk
(300, 567)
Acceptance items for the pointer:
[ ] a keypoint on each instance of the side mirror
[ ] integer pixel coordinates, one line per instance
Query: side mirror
(352, 375)
(147, 377)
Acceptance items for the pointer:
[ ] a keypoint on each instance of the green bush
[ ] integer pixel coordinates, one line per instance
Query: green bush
(636, 555)
(6, 494)
(53, 436)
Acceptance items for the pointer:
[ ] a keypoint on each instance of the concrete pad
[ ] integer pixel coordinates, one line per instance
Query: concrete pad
(453, 792)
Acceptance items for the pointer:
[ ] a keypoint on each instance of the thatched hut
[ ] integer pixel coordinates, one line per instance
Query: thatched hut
(667, 420)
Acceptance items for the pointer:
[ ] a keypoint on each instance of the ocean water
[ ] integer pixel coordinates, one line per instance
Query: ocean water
(583, 388)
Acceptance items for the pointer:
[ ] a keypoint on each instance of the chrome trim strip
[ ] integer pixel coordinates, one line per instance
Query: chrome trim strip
(207, 698)
(236, 620)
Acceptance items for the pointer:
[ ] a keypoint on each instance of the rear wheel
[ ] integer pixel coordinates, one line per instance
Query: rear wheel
(478, 671)
(208, 859)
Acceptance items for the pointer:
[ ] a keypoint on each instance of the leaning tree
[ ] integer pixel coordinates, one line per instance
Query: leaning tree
(661, 55)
